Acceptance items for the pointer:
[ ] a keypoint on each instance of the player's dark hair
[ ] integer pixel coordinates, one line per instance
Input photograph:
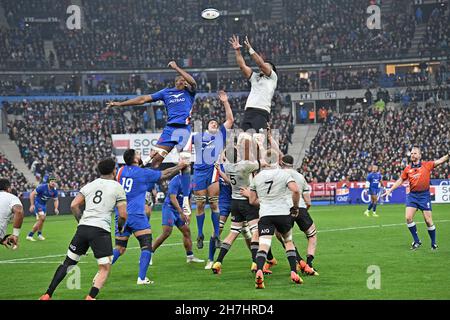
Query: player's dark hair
(4, 184)
(52, 178)
(273, 66)
(213, 119)
(106, 166)
(288, 160)
(128, 156)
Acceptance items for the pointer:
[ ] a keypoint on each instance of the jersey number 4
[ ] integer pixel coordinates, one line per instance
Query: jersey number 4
(127, 184)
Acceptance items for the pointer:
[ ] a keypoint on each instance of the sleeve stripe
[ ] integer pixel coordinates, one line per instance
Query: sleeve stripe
(119, 174)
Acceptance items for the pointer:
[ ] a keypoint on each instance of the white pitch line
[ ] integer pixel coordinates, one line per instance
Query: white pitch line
(24, 260)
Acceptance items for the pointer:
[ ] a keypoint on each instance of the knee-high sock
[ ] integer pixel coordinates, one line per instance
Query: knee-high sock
(370, 206)
(432, 233)
(116, 255)
(212, 249)
(223, 251)
(413, 229)
(144, 263)
(200, 223)
(60, 274)
(374, 207)
(254, 246)
(260, 258)
(215, 217)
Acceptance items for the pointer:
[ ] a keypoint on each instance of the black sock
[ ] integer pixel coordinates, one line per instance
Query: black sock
(261, 257)
(282, 243)
(269, 254)
(94, 292)
(60, 275)
(292, 258)
(254, 246)
(299, 257)
(309, 260)
(224, 248)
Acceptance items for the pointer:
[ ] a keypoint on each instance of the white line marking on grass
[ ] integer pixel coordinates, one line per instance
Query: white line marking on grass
(26, 260)
(35, 262)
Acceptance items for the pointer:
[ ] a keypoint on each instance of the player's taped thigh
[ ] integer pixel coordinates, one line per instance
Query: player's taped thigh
(236, 227)
(201, 199)
(311, 232)
(162, 152)
(213, 199)
(71, 259)
(104, 260)
(145, 242)
(265, 240)
(121, 243)
(245, 230)
(287, 237)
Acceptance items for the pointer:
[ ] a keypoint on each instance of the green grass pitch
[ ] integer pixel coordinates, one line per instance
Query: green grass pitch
(348, 243)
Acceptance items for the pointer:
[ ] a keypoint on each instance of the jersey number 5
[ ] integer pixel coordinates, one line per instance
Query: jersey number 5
(127, 184)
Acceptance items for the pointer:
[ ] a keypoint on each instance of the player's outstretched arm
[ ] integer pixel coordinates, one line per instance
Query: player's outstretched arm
(172, 172)
(56, 205)
(228, 112)
(293, 187)
(75, 206)
(132, 102)
(13, 239)
(246, 70)
(267, 70)
(442, 160)
(190, 79)
(397, 184)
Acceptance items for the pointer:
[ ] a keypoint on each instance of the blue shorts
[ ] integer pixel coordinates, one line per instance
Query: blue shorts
(374, 192)
(224, 207)
(38, 207)
(419, 200)
(135, 222)
(202, 179)
(175, 136)
(171, 217)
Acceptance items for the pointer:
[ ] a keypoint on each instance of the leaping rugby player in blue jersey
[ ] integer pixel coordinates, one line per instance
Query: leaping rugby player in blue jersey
(178, 102)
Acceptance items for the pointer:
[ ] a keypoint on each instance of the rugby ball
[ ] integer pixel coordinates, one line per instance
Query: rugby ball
(210, 14)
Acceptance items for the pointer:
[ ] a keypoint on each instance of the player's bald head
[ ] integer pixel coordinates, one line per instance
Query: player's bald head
(416, 153)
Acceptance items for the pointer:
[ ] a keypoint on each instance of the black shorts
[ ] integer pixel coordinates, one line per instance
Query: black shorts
(268, 224)
(97, 238)
(303, 220)
(242, 210)
(255, 119)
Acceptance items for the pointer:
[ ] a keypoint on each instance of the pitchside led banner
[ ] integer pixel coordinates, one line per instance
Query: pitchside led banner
(141, 142)
(361, 196)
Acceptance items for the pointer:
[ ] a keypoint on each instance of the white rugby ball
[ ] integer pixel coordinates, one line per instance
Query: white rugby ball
(210, 14)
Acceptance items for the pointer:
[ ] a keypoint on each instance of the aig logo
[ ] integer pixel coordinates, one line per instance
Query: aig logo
(374, 20)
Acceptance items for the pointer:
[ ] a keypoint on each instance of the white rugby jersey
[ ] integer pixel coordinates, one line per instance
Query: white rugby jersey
(271, 185)
(101, 197)
(262, 91)
(239, 174)
(7, 202)
(303, 187)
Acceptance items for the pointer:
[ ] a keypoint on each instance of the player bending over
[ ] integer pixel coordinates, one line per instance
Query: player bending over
(208, 147)
(38, 200)
(374, 184)
(9, 205)
(136, 181)
(178, 102)
(100, 197)
(173, 215)
(418, 176)
(268, 190)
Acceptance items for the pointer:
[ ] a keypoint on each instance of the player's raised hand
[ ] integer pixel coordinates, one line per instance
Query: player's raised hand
(223, 96)
(172, 64)
(234, 41)
(112, 104)
(247, 43)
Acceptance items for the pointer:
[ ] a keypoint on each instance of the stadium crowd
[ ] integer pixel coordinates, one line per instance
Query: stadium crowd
(123, 34)
(8, 170)
(347, 144)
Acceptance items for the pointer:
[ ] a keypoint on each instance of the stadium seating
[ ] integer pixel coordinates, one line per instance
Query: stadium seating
(347, 144)
(124, 34)
(8, 171)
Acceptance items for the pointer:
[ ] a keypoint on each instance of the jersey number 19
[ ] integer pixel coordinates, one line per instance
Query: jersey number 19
(127, 184)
